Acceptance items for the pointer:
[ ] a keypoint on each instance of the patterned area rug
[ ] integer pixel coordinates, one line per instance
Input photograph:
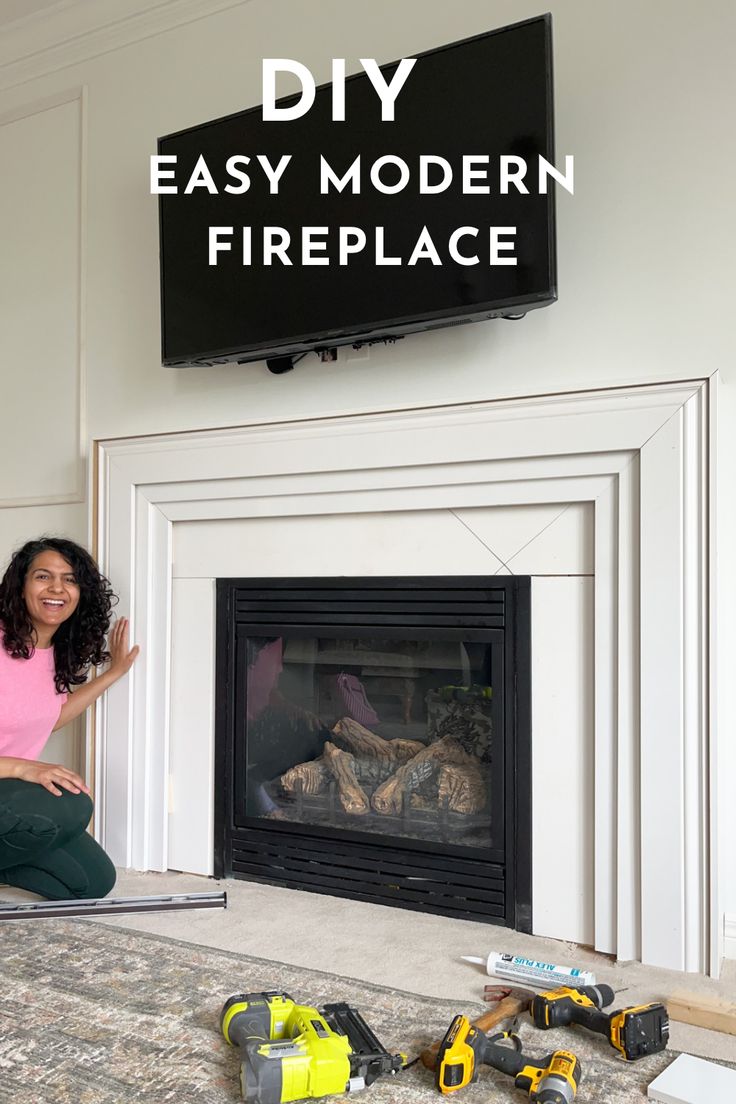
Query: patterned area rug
(91, 1014)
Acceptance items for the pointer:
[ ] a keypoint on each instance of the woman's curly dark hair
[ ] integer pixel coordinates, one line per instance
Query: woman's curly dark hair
(79, 642)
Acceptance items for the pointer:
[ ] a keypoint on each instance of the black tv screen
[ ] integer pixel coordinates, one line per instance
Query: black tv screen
(467, 105)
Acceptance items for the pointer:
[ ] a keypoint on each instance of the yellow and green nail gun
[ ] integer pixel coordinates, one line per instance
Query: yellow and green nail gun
(292, 1051)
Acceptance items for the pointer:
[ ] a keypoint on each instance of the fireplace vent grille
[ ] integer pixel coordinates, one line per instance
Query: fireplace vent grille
(382, 875)
(417, 605)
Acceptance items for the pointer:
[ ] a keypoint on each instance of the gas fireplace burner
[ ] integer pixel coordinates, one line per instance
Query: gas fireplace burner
(373, 740)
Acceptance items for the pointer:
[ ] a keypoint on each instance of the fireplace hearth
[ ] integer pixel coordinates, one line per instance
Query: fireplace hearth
(373, 740)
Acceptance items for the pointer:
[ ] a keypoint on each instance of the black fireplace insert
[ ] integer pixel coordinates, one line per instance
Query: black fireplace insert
(373, 741)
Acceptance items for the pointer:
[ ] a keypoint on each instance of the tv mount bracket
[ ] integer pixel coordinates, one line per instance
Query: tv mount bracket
(110, 906)
(281, 364)
(327, 354)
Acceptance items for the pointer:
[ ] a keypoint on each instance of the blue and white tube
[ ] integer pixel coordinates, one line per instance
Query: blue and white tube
(528, 971)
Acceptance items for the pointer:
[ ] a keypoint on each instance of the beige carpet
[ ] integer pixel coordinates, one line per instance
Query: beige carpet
(414, 951)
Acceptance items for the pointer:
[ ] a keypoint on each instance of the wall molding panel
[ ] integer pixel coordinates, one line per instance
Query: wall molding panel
(67, 34)
(33, 339)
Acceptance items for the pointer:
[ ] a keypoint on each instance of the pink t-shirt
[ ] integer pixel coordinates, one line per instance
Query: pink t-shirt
(29, 703)
(263, 674)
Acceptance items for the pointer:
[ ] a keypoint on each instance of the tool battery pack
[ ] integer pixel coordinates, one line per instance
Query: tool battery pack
(645, 1032)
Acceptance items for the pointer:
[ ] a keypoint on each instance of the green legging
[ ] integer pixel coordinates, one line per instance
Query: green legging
(44, 846)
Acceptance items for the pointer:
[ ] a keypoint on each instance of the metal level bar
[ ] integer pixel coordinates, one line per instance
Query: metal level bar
(111, 906)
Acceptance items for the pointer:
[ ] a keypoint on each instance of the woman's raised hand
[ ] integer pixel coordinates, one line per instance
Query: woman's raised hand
(122, 656)
(52, 776)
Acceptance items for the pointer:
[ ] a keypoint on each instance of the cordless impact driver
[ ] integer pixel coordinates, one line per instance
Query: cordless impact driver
(634, 1032)
(553, 1079)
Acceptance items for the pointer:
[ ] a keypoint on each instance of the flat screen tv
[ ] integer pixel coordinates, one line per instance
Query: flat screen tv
(383, 258)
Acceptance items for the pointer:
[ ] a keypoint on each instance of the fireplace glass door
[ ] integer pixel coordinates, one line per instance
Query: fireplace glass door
(372, 740)
(396, 737)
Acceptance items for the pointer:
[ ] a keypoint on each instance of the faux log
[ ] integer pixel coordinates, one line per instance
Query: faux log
(309, 778)
(462, 787)
(370, 770)
(404, 750)
(361, 742)
(388, 797)
(342, 766)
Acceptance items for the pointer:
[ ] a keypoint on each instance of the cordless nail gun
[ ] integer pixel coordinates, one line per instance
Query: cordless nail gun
(291, 1051)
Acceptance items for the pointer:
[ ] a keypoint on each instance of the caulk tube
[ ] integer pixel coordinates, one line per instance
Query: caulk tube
(528, 971)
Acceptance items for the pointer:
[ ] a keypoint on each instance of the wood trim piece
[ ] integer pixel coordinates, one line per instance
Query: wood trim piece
(606, 716)
(662, 691)
(628, 835)
(150, 708)
(694, 645)
(718, 933)
(702, 1011)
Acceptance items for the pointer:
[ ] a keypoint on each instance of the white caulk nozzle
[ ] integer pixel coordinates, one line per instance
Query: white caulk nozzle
(472, 958)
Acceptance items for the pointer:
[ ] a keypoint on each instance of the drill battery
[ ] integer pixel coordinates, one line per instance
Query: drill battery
(638, 1032)
(291, 1051)
(634, 1032)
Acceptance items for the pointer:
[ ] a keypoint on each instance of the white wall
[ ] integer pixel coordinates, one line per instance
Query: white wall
(645, 249)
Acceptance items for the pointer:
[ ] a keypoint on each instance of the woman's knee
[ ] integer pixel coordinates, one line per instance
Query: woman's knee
(101, 877)
(70, 812)
(73, 812)
(95, 873)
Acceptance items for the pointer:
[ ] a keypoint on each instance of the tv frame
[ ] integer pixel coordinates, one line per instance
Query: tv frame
(279, 355)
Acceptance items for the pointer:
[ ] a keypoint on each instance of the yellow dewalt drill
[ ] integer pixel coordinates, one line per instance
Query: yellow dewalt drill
(292, 1051)
(634, 1032)
(553, 1079)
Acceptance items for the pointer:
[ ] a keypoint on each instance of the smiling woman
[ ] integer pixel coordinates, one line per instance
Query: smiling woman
(54, 619)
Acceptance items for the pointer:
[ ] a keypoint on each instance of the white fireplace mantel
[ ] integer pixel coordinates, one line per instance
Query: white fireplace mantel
(641, 456)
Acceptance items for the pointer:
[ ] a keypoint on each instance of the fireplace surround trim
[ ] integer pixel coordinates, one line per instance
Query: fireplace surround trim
(642, 455)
